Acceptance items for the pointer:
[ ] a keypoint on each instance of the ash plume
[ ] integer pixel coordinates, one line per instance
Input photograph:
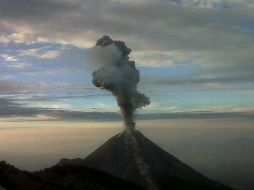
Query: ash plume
(117, 74)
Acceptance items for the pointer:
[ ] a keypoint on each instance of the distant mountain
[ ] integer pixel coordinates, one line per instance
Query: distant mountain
(133, 157)
(60, 178)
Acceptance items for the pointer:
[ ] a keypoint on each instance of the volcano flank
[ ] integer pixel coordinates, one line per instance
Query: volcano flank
(133, 157)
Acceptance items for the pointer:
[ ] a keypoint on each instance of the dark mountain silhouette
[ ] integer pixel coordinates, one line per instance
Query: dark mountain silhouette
(135, 158)
(60, 178)
(2, 188)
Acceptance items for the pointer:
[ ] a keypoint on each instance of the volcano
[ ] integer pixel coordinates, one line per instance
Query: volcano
(133, 157)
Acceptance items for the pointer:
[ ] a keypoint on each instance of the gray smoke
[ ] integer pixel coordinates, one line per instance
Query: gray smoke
(117, 74)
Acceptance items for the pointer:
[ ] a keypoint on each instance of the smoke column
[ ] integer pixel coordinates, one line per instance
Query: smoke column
(117, 74)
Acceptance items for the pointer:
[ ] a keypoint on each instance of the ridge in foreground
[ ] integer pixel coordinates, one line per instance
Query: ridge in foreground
(60, 178)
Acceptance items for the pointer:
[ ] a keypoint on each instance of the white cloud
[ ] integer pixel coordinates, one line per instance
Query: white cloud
(166, 58)
(9, 58)
(45, 117)
(216, 3)
(18, 37)
(102, 107)
(21, 37)
(19, 66)
(4, 39)
(53, 105)
(157, 107)
(41, 53)
(242, 109)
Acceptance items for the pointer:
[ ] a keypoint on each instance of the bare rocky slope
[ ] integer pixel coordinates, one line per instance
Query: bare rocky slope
(135, 158)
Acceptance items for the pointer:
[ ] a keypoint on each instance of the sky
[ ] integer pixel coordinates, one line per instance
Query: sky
(195, 57)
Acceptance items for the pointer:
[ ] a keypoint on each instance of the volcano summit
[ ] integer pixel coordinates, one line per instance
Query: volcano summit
(133, 157)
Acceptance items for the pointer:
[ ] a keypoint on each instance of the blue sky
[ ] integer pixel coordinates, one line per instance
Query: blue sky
(193, 55)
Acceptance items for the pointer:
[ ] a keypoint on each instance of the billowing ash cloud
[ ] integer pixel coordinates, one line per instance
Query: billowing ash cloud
(117, 74)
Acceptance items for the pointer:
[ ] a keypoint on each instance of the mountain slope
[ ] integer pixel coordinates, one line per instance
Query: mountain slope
(60, 178)
(135, 158)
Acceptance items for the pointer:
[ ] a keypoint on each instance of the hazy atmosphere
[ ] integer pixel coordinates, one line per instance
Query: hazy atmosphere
(221, 149)
(194, 59)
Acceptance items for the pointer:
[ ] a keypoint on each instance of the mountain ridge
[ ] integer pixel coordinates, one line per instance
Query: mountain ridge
(60, 178)
(119, 157)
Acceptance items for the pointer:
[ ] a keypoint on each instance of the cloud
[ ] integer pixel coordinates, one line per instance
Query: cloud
(8, 87)
(163, 59)
(9, 108)
(215, 3)
(10, 58)
(53, 105)
(12, 111)
(14, 87)
(102, 107)
(212, 38)
(209, 80)
(169, 33)
(7, 38)
(156, 107)
(4, 39)
(41, 53)
(17, 67)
